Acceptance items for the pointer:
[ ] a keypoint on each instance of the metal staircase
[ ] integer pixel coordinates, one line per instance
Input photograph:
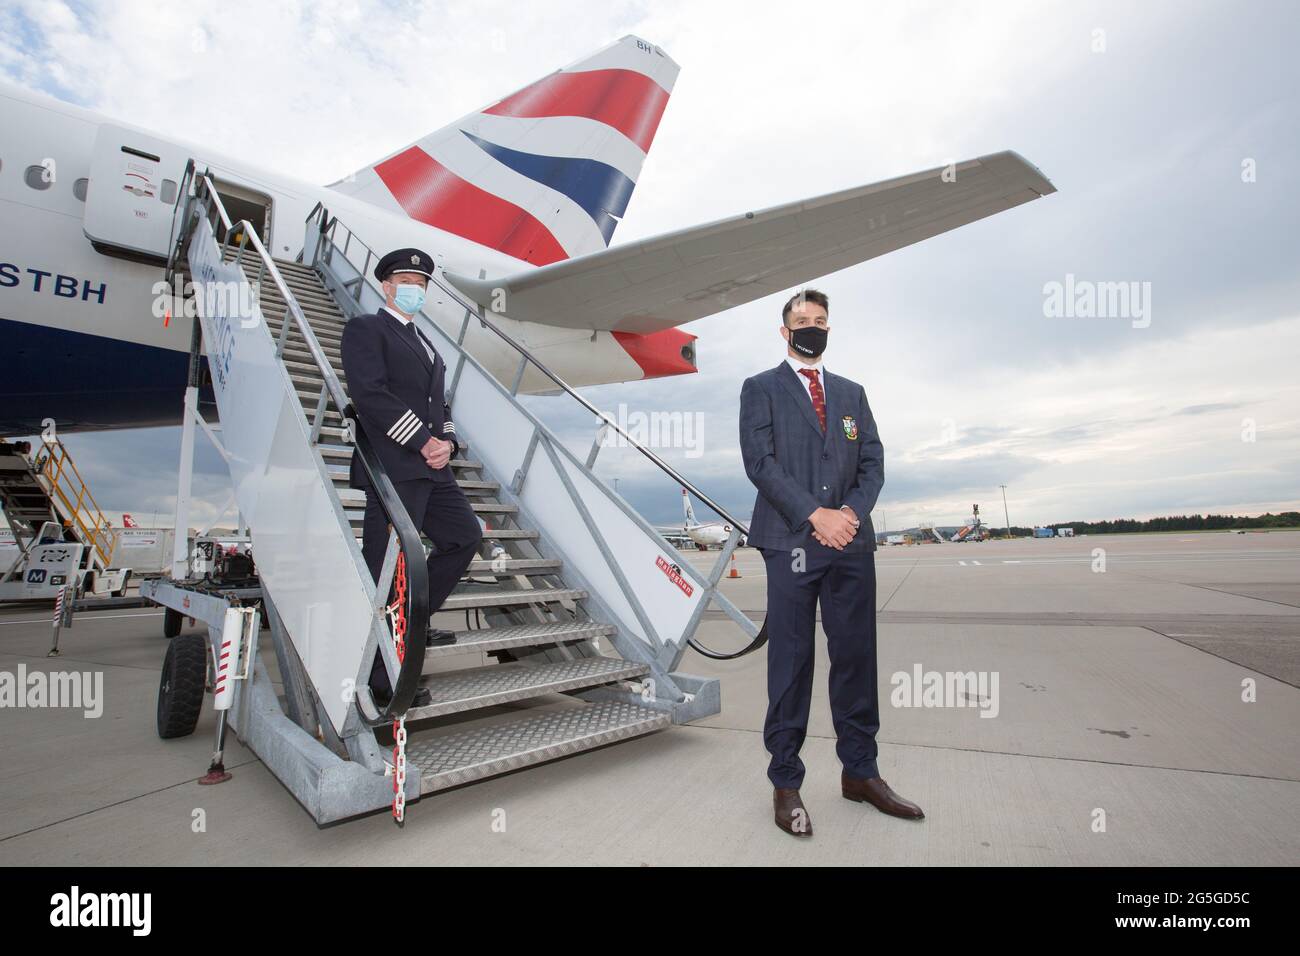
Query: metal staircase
(45, 486)
(523, 587)
(579, 605)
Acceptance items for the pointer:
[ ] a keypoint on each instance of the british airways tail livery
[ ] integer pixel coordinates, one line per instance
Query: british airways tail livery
(542, 175)
(518, 201)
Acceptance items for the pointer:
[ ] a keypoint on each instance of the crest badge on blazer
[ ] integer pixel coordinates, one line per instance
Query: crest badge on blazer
(850, 427)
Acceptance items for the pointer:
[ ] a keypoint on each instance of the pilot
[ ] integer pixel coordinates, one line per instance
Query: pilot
(395, 378)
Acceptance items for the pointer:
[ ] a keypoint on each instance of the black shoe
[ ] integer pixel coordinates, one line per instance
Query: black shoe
(438, 637)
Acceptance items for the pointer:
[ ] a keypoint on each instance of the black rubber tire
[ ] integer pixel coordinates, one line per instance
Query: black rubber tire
(172, 621)
(180, 691)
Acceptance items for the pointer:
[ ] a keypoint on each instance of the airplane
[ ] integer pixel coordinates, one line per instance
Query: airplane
(517, 201)
(705, 536)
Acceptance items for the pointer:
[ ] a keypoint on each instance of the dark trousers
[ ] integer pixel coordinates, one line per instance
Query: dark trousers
(844, 584)
(442, 512)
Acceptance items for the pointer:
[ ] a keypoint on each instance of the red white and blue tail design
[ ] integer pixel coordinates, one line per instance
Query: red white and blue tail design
(543, 174)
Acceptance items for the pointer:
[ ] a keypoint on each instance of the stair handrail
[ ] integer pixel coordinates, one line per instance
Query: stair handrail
(408, 538)
(83, 512)
(328, 225)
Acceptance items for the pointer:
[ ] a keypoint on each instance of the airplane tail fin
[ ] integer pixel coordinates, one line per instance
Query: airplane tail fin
(689, 511)
(543, 174)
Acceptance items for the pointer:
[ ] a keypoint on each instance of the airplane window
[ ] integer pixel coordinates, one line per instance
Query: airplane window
(79, 188)
(36, 177)
(168, 193)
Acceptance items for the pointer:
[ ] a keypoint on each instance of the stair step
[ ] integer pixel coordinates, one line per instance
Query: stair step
(304, 371)
(521, 635)
(339, 452)
(499, 534)
(339, 475)
(309, 407)
(458, 758)
(310, 298)
(508, 565)
(286, 267)
(319, 316)
(325, 337)
(307, 382)
(354, 502)
(510, 597)
(296, 347)
(485, 487)
(303, 285)
(455, 692)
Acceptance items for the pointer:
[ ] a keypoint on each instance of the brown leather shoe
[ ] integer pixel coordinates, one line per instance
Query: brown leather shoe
(790, 813)
(877, 793)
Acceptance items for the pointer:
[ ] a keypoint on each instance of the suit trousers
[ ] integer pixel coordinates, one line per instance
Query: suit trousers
(443, 513)
(843, 583)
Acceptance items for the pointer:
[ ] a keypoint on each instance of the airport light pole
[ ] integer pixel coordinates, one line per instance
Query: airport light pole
(1004, 509)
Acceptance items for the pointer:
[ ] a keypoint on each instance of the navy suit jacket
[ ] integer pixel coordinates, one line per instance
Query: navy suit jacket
(399, 397)
(797, 468)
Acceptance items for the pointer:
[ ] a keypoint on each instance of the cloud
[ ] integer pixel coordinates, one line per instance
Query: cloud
(972, 384)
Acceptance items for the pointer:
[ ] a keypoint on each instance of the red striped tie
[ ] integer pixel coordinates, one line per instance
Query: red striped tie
(818, 398)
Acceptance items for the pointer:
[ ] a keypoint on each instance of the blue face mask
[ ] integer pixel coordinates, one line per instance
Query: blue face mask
(408, 299)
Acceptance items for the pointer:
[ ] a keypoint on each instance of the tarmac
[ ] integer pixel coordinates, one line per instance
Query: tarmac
(1140, 706)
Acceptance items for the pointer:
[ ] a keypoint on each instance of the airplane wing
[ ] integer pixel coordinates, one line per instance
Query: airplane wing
(671, 279)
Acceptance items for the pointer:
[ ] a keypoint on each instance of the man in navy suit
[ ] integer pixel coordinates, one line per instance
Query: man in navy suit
(810, 446)
(395, 379)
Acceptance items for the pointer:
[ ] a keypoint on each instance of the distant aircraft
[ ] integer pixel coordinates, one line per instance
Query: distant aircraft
(517, 201)
(705, 536)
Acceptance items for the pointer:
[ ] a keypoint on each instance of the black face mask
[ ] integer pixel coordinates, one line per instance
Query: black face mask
(809, 340)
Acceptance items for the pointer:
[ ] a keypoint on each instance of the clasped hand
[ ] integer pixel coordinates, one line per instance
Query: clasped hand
(833, 527)
(436, 453)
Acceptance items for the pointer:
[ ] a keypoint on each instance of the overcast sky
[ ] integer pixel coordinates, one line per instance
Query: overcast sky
(1171, 130)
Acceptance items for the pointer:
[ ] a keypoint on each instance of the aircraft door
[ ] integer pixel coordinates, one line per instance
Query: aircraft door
(131, 196)
(243, 203)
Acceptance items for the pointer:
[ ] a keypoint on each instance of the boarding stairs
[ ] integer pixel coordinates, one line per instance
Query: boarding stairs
(42, 486)
(575, 614)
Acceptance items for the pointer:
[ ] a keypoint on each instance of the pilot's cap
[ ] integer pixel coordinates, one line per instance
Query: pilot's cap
(405, 260)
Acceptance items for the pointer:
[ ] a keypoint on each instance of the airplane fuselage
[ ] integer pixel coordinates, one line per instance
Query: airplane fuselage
(84, 333)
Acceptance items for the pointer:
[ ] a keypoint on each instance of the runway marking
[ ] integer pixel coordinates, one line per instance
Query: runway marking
(1235, 552)
(1079, 559)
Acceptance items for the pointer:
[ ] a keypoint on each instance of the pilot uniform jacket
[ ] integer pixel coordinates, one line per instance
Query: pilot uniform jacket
(398, 393)
(797, 467)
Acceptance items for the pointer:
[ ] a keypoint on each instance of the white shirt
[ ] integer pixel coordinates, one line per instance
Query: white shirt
(405, 321)
(807, 387)
(795, 364)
